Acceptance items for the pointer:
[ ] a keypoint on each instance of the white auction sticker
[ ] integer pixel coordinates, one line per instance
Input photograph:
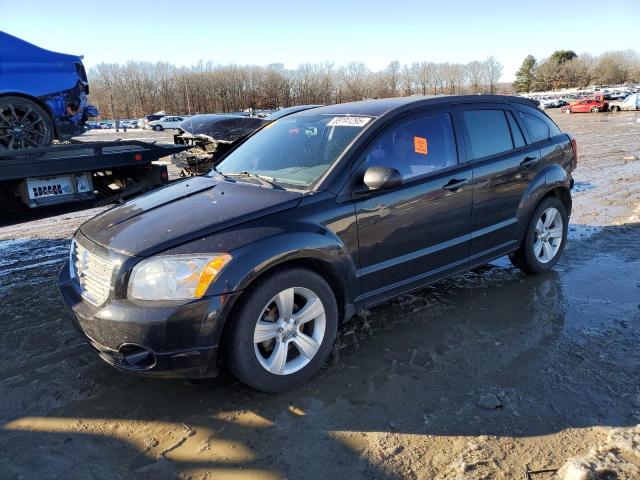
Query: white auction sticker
(348, 121)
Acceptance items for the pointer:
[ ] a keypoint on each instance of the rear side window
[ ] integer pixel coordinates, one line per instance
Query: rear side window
(516, 133)
(415, 147)
(488, 132)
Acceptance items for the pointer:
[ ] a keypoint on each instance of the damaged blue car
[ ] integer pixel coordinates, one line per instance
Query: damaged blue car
(43, 95)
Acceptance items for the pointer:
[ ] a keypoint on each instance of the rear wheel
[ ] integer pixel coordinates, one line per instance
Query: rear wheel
(595, 110)
(544, 239)
(157, 128)
(23, 124)
(284, 331)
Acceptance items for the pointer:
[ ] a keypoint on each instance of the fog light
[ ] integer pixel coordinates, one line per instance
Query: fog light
(137, 356)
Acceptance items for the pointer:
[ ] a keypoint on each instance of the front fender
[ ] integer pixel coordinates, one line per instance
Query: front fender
(264, 247)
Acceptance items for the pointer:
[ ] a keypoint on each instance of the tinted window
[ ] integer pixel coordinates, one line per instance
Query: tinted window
(537, 114)
(538, 129)
(488, 132)
(295, 150)
(416, 147)
(516, 133)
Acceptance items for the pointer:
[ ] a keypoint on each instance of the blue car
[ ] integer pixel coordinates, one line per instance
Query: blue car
(43, 95)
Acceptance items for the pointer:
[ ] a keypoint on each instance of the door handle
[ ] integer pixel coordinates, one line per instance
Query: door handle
(455, 184)
(529, 162)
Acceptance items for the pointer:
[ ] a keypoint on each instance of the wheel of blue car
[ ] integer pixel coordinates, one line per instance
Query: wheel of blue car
(157, 128)
(284, 330)
(23, 124)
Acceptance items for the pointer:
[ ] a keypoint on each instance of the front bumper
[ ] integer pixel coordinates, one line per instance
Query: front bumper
(167, 338)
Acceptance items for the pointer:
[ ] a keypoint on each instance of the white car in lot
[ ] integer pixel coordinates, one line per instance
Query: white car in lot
(168, 122)
(632, 102)
(548, 102)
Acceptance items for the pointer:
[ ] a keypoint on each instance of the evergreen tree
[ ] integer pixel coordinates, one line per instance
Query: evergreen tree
(524, 76)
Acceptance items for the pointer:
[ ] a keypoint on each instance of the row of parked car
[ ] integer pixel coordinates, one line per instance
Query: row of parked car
(162, 121)
(595, 102)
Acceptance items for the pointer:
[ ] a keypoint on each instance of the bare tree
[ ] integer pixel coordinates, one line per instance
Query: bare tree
(492, 72)
(137, 88)
(474, 74)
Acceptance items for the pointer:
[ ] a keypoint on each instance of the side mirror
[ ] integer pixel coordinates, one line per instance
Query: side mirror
(379, 178)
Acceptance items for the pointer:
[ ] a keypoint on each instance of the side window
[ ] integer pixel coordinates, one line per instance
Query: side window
(516, 133)
(538, 129)
(488, 132)
(416, 147)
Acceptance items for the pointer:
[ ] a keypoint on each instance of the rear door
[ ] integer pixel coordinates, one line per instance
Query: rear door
(503, 165)
(420, 229)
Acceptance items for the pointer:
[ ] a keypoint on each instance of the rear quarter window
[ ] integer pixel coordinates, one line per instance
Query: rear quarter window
(540, 126)
(538, 130)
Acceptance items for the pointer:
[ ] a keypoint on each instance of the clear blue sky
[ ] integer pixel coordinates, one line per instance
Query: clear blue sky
(293, 32)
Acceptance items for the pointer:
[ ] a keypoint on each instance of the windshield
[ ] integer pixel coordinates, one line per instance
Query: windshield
(295, 150)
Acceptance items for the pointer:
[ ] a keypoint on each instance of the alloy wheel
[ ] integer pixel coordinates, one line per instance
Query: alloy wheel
(289, 331)
(548, 235)
(21, 127)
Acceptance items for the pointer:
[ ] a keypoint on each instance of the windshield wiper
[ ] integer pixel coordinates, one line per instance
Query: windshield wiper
(264, 181)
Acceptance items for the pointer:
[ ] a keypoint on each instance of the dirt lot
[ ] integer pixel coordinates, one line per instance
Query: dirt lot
(472, 378)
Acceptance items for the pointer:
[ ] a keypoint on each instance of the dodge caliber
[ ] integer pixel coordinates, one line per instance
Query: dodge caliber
(253, 266)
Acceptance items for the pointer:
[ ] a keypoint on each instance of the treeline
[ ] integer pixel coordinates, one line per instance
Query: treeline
(566, 69)
(138, 88)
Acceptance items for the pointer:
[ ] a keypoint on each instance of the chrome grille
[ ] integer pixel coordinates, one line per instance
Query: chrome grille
(91, 273)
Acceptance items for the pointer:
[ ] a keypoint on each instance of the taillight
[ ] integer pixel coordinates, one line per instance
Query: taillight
(574, 147)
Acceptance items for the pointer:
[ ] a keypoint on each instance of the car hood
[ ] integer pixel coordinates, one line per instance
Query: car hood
(184, 211)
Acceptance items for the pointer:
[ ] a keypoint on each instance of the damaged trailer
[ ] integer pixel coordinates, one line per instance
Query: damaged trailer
(212, 136)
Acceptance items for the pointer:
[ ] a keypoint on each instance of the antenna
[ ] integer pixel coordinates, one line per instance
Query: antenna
(186, 91)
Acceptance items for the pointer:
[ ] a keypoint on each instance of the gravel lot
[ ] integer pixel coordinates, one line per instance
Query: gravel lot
(474, 377)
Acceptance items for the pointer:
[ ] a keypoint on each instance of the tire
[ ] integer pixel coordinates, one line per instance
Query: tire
(532, 257)
(250, 362)
(157, 128)
(595, 110)
(23, 124)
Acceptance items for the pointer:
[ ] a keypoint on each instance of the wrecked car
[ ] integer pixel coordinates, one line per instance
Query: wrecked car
(43, 95)
(213, 135)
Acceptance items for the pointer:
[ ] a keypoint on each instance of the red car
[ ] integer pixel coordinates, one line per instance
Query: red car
(585, 106)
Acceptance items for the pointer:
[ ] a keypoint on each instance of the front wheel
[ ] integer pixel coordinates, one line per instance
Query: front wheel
(544, 239)
(595, 110)
(283, 331)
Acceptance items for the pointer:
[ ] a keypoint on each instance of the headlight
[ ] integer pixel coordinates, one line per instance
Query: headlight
(175, 277)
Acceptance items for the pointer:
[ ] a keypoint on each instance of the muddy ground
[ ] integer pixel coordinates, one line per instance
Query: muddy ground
(474, 377)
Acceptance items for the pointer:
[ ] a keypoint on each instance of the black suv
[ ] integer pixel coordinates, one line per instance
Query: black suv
(310, 219)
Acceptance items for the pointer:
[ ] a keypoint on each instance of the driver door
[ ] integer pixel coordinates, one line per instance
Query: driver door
(420, 230)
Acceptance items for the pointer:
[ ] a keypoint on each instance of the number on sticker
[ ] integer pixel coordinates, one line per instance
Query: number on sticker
(348, 121)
